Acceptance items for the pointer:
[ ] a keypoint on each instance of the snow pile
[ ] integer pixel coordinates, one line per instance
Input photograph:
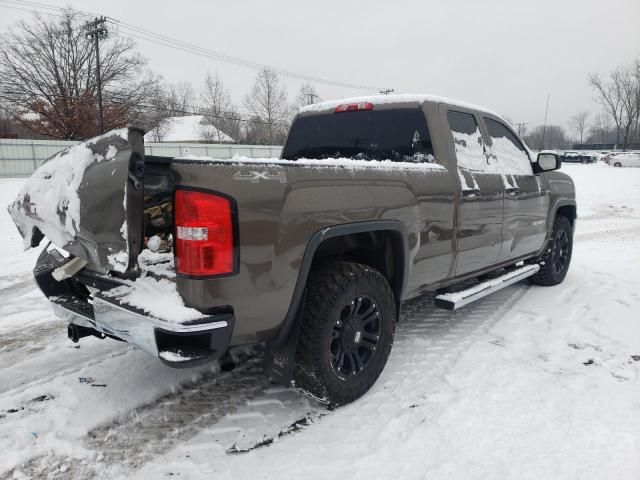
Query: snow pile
(177, 356)
(159, 264)
(349, 163)
(157, 297)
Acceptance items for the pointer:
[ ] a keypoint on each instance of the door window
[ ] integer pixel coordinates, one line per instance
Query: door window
(511, 155)
(468, 142)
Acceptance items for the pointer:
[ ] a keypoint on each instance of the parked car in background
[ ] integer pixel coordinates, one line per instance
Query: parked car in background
(608, 159)
(627, 159)
(577, 157)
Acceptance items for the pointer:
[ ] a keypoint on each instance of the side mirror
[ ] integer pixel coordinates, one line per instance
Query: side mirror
(546, 162)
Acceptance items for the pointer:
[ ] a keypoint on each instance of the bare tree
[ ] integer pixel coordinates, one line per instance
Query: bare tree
(220, 111)
(635, 73)
(267, 103)
(155, 114)
(47, 70)
(179, 98)
(620, 96)
(579, 123)
(5, 122)
(554, 137)
(602, 130)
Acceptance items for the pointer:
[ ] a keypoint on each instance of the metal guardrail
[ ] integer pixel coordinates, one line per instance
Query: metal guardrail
(19, 158)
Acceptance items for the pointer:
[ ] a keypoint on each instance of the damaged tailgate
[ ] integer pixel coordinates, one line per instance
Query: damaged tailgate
(88, 200)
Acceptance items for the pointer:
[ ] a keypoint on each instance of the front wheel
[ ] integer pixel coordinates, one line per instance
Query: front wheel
(347, 331)
(554, 262)
(617, 164)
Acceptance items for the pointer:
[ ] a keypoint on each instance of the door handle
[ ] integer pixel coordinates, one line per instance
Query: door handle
(512, 190)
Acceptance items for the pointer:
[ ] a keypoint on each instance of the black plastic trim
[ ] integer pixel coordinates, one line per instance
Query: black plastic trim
(214, 343)
(235, 225)
(314, 242)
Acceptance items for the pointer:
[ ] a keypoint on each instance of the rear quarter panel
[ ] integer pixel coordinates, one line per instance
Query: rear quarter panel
(278, 214)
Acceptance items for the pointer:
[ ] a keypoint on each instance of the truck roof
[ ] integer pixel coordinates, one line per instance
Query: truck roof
(393, 99)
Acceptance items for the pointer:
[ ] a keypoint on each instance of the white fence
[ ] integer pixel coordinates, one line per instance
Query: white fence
(19, 158)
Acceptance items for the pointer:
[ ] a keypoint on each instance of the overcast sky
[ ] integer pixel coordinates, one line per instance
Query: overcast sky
(503, 54)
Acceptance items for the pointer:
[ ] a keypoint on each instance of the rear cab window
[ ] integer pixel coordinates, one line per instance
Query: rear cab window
(397, 134)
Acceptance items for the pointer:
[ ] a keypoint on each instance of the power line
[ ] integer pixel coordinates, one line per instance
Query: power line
(50, 8)
(164, 40)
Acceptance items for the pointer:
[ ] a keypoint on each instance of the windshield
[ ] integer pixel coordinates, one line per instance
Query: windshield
(396, 134)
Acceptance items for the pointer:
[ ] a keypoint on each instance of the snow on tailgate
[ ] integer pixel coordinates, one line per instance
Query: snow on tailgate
(49, 200)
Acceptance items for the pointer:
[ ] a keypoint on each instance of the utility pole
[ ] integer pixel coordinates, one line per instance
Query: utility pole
(97, 30)
(544, 128)
(386, 91)
(312, 97)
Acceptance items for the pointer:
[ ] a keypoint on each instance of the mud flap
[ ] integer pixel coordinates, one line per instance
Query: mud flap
(280, 360)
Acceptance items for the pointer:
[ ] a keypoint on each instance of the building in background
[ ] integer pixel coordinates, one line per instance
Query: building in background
(187, 129)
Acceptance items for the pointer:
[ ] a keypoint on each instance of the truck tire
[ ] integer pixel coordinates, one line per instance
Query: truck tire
(554, 262)
(347, 330)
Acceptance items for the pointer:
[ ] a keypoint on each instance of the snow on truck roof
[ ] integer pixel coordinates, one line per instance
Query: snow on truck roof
(397, 98)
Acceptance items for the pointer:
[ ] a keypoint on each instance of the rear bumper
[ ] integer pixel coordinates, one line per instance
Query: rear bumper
(178, 345)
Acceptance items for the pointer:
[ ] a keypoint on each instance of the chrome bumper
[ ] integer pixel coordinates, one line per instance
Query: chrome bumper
(211, 335)
(175, 344)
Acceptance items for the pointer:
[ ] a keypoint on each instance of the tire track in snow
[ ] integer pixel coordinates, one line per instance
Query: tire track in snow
(31, 367)
(242, 406)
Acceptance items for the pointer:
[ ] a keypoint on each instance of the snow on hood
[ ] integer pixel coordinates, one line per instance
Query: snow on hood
(49, 199)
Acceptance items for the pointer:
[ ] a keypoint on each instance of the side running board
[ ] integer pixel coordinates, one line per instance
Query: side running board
(453, 301)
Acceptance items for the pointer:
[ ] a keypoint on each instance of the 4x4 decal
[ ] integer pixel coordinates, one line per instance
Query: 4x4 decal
(255, 177)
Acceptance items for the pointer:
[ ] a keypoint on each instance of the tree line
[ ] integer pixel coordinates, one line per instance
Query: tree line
(48, 86)
(618, 121)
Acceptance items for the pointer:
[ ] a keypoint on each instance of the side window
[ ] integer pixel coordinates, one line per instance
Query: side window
(508, 150)
(468, 142)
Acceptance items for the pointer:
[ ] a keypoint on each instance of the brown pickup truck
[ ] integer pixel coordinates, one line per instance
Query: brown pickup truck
(374, 200)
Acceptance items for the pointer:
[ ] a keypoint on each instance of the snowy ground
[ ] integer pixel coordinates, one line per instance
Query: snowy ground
(529, 383)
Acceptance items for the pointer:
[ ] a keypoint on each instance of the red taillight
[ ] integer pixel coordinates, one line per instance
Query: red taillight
(354, 107)
(204, 234)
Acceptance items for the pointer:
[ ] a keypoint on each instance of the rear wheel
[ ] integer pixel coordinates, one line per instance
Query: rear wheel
(347, 331)
(554, 262)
